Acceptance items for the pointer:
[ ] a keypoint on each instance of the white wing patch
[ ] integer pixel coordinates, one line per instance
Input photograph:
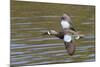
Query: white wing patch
(65, 24)
(67, 38)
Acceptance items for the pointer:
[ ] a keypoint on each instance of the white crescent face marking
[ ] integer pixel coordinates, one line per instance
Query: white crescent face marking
(65, 24)
(67, 38)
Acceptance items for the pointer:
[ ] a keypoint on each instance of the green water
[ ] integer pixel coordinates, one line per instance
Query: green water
(30, 19)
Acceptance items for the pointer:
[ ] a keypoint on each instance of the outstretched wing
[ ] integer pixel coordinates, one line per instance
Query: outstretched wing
(72, 27)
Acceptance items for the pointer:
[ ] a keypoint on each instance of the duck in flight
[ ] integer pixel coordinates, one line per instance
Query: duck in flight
(67, 29)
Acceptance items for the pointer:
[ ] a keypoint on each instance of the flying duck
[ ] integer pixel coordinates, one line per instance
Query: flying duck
(67, 29)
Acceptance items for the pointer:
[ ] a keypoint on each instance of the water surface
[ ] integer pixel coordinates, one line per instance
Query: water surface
(30, 47)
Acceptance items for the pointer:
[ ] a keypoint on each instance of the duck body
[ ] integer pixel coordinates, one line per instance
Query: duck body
(66, 26)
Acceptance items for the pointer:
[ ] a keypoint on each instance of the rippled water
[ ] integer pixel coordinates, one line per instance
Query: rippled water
(30, 47)
(34, 54)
